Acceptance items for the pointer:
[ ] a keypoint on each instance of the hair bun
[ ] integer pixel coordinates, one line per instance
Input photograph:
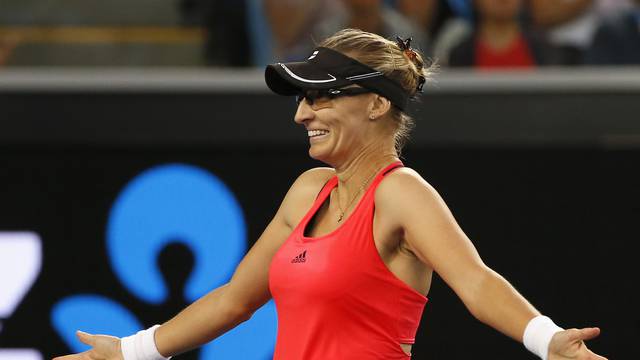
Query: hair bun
(405, 46)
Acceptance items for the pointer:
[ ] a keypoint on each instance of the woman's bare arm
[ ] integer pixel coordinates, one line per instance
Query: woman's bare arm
(229, 305)
(436, 238)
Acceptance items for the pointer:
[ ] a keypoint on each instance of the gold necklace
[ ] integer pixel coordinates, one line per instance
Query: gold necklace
(356, 194)
(353, 198)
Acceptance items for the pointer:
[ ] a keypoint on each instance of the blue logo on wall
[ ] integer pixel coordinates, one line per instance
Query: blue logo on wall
(163, 205)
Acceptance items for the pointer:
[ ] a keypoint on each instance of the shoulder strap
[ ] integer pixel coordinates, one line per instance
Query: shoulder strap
(323, 186)
(383, 173)
(394, 166)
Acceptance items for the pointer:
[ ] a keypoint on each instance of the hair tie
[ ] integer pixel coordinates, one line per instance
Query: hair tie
(405, 46)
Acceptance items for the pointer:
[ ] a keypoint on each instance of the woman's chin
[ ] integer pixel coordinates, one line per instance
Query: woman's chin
(317, 154)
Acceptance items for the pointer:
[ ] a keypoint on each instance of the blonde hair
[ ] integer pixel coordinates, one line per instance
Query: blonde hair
(387, 57)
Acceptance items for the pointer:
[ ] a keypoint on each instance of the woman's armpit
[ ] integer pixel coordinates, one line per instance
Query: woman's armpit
(406, 348)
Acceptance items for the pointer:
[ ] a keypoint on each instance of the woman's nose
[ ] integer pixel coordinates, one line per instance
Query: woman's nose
(304, 112)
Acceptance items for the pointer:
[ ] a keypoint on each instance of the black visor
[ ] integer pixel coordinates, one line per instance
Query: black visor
(330, 69)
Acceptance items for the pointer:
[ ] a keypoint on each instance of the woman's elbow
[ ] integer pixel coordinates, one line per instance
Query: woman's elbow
(238, 311)
(245, 313)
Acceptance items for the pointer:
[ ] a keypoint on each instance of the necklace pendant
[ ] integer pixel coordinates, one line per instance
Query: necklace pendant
(340, 218)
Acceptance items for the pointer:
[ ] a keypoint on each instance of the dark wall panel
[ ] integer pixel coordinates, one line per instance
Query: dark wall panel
(487, 118)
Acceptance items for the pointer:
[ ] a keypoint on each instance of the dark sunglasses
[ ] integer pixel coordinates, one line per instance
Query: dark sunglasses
(323, 95)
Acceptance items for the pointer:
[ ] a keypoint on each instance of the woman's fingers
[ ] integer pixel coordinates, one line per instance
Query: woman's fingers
(86, 338)
(580, 335)
(590, 333)
(584, 334)
(102, 347)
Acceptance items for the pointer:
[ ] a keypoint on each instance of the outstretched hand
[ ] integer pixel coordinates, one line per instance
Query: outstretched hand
(569, 344)
(103, 347)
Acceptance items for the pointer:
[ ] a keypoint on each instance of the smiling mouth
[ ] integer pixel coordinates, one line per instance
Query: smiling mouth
(316, 133)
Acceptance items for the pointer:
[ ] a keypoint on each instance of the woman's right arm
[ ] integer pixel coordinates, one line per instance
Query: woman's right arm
(233, 303)
(229, 305)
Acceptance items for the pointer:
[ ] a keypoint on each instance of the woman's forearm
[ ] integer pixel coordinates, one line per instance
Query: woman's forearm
(499, 305)
(204, 320)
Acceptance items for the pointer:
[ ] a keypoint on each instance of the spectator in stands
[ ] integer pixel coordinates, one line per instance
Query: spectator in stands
(444, 22)
(293, 24)
(571, 24)
(617, 40)
(499, 40)
(426, 15)
(295, 35)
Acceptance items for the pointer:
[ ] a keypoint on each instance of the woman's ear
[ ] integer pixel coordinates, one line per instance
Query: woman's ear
(379, 106)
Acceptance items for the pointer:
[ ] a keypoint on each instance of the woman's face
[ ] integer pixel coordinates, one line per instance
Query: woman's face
(339, 128)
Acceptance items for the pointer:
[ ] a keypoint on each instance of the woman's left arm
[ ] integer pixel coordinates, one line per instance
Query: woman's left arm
(434, 236)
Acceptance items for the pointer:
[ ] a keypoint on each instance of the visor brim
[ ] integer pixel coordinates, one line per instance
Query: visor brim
(291, 78)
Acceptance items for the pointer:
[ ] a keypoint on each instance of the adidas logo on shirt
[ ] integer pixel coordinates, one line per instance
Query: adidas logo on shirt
(300, 258)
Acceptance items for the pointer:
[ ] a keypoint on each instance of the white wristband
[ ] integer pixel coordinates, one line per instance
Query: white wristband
(141, 346)
(538, 334)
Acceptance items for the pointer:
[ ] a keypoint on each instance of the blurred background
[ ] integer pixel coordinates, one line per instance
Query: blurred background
(141, 155)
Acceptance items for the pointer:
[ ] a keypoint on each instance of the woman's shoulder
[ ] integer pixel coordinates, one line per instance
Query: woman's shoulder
(310, 182)
(303, 192)
(402, 173)
(402, 184)
(313, 177)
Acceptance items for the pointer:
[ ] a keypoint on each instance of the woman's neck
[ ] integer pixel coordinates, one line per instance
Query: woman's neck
(358, 172)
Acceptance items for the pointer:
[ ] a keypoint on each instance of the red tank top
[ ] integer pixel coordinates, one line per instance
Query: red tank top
(335, 297)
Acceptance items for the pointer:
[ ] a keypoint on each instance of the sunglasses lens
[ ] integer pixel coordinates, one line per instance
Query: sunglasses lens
(322, 98)
(309, 95)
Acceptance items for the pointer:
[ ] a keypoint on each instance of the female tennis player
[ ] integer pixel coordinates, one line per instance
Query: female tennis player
(349, 255)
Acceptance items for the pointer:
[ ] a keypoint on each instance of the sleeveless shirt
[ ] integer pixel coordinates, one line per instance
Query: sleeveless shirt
(335, 297)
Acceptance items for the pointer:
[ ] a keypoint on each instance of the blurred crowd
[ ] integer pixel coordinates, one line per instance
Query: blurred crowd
(481, 34)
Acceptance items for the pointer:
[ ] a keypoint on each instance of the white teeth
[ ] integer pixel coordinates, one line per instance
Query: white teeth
(311, 133)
